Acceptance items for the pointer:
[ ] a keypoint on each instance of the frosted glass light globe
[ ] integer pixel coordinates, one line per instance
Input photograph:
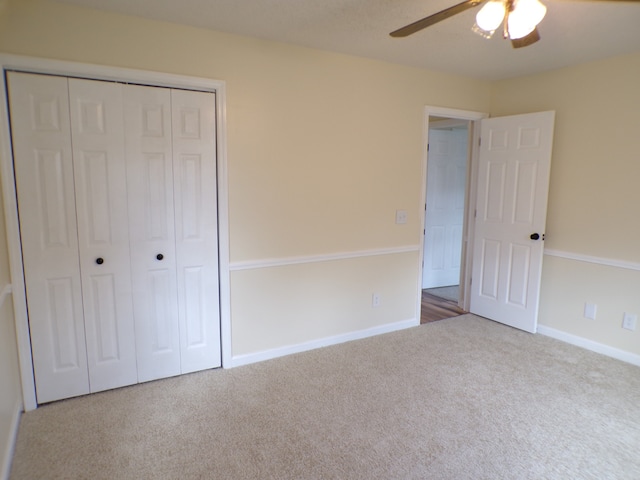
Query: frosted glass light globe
(491, 15)
(525, 17)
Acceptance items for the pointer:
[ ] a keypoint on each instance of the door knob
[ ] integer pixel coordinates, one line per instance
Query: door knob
(535, 236)
(99, 261)
(159, 256)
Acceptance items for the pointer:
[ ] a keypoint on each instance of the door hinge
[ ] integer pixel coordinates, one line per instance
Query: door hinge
(479, 141)
(427, 147)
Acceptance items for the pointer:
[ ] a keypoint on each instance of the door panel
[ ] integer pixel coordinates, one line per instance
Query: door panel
(495, 192)
(526, 188)
(519, 284)
(44, 176)
(162, 337)
(194, 153)
(63, 334)
(490, 263)
(152, 231)
(103, 233)
(49, 174)
(195, 312)
(96, 196)
(103, 310)
(513, 182)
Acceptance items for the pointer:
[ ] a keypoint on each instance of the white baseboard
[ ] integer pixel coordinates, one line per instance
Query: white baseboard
(7, 455)
(612, 352)
(249, 358)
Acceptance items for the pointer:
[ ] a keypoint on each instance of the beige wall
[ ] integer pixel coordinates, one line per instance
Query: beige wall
(320, 300)
(322, 150)
(594, 195)
(322, 147)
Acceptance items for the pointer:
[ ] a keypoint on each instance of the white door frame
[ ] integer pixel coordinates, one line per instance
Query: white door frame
(99, 72)
(472, 175)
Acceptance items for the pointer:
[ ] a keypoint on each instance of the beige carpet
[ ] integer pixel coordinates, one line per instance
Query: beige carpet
(463, 398)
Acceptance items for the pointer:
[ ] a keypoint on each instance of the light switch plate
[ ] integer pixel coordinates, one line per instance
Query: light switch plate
(590, 310)
(401, 217)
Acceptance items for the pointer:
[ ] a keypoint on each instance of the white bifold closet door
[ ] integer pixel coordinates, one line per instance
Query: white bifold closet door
(173, 225)
(194, 183)
(151, 223)
(117, 203)
(103, 231)
(43, 164)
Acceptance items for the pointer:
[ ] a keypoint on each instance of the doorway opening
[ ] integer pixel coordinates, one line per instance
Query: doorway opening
(448, 190)
(506, 186)
(448, 159)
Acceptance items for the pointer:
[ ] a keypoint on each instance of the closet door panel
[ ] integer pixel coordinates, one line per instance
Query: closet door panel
(44, 181)
(194, 154)
(151, 228)
(103, 233)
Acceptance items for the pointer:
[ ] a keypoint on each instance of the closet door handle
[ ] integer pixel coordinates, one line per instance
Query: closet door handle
(100, 260)
(159, 256)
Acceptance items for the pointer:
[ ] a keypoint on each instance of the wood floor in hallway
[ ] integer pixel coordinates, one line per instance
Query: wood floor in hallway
(436, 308)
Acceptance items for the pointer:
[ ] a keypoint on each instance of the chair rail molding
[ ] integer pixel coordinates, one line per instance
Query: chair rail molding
(608, 262)
(285, 261)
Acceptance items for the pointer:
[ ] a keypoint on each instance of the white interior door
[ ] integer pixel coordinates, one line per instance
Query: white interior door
(513, 183)
(194, 156)
(152, 232)
(444, 214)
(103, 231)
(41, 139)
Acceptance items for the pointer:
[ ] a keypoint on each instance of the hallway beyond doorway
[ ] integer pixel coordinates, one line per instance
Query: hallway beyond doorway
(439, 303)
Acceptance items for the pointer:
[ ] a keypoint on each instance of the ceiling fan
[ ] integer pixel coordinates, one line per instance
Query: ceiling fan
(519, 19)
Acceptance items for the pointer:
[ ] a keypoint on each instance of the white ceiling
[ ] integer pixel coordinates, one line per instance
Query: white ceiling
(573, 31)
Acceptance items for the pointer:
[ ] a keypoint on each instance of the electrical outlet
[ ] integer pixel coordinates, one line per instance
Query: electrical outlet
(590, 310)
(375, 300)
(629, 321)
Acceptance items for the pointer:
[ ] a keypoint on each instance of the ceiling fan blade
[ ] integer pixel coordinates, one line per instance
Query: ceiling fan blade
(435, 18)
(527, 40)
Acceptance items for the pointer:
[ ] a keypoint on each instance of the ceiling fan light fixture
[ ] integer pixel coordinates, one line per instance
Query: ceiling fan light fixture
(519, 19)
(524, 18)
